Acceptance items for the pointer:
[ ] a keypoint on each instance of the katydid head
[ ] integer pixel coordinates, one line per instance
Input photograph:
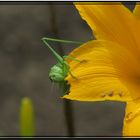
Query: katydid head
(58, 72)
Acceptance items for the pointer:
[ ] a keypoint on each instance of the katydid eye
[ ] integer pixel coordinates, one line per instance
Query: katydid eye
(53, 76)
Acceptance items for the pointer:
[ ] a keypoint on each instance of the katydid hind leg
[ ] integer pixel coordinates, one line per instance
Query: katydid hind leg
(62, 41)
(57, 56)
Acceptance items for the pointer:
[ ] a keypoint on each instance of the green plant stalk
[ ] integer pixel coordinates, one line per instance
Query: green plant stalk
(26, 116)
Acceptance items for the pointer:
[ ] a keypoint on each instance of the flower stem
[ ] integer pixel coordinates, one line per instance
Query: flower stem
(68, 109)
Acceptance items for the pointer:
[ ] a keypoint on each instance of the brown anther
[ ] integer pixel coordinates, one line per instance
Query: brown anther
(110, 94)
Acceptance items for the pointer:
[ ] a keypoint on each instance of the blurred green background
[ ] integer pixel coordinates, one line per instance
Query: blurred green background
(24, 67)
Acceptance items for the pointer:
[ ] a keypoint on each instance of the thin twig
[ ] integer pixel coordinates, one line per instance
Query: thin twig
(68, 109)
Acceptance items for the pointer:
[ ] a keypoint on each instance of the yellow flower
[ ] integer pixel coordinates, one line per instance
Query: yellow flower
(111, 66)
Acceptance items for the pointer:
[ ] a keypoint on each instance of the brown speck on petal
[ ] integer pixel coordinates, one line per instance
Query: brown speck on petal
(120, 94)
(128, 115)
(110, 94)
(103, 95)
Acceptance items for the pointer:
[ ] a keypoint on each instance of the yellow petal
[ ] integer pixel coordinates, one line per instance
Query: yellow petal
(131, 126)
(102, 73)
(136, 10)
(112, 22)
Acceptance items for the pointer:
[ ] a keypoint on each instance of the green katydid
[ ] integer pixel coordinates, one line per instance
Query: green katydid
(59, 71)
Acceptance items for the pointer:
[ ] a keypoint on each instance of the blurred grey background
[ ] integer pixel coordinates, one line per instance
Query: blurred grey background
(24, 67)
